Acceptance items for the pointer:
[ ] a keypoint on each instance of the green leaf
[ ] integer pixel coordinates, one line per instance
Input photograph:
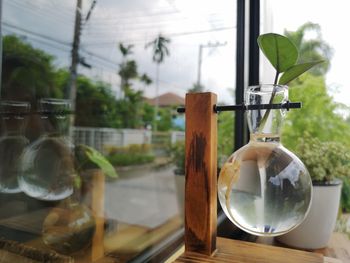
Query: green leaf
(296, 70)
(89, 158)
(279, 50)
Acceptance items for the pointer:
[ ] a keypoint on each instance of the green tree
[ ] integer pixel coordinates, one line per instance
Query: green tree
(95, 104)
(225, 135)
(146, 80)
(28, 73)
(164, 120)
(130, 108)
(317, 116)
(127, 68)
(160, 50)
(147, 114)
(125, 50)
(311, 49)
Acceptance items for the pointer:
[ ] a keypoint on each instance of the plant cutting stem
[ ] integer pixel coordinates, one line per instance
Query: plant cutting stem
(267, 112)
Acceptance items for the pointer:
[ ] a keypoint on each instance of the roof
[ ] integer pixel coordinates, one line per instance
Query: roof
(167, 99)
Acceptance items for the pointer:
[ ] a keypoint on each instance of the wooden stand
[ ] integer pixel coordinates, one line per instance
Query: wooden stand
(201, 243)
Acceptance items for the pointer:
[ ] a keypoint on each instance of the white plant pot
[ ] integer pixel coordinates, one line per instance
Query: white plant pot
(315, 231)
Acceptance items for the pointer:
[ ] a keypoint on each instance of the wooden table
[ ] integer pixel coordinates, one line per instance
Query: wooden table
(235, 251)
(338, 247)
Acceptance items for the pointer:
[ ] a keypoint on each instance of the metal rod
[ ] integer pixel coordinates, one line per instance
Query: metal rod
(242, 107)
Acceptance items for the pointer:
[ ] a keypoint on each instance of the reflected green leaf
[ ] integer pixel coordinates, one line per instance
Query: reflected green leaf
(89, 158)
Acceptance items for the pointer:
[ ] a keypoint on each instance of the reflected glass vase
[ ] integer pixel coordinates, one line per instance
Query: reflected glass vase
(263, 188)
(69, 227)
(12, 143)
(48, 163)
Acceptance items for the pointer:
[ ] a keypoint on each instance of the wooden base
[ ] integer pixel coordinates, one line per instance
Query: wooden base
(234, 251)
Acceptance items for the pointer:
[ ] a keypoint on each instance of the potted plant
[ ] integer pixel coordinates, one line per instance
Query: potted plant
(327, 162)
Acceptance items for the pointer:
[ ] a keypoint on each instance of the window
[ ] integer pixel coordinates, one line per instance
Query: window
(87, 81)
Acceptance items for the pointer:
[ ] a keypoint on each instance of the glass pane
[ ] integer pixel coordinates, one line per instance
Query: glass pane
(91, 146)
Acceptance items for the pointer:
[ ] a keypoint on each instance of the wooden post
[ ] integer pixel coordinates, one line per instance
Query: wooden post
(201, 173)
(97, 207)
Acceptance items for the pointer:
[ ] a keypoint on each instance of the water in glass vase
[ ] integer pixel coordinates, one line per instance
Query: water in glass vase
(264, 189)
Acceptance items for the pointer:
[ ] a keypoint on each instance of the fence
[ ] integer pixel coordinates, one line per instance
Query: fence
(99, 138)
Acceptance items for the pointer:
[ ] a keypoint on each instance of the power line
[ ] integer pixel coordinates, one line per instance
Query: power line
(132, 20)
(44, 9)
(142, 26)
(98, 56)
(45, 38)
(42, 41)
(36, 34)
(36, 12)
(126, 15)
(178, 34)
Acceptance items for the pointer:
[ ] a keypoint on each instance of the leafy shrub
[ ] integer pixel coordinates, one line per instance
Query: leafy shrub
(345, 195)
(131, 149)
(324, 160)
(130, 159)
(327, 161)
(130, 155)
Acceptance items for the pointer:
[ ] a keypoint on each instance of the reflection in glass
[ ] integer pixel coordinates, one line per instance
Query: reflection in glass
(48, 164)
(68, 227)
(12, 143)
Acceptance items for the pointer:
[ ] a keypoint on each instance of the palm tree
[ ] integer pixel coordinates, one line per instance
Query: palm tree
(160, 50)
(146, 80)
(127, 69)
(311, 49)
(125, 50)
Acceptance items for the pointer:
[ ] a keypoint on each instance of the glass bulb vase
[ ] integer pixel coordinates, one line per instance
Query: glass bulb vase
(12, 143)
(68, 227)
(48, 163)
(263, 188)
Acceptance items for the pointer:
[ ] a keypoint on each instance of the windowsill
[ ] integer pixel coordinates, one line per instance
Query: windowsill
(338, 247)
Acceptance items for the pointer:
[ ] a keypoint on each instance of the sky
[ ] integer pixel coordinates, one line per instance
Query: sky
(48, 24)
(188, 24)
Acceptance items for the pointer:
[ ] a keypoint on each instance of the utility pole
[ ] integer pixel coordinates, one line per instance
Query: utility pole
(209, 45)
(71, 90)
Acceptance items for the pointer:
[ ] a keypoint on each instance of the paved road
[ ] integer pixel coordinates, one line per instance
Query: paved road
(143, 196)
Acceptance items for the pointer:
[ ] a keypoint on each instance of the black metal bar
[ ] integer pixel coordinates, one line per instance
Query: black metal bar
(254, 32)
(240, 125)
(241, 107)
